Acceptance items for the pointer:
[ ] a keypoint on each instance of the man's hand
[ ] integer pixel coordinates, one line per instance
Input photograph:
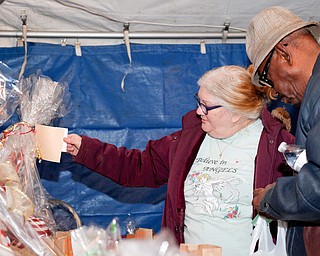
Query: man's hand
(258, 195)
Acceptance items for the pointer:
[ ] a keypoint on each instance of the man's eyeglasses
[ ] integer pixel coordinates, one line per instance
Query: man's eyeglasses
(203, 107)
(263, 78)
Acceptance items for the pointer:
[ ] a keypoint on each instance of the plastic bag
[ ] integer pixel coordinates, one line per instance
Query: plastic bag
(261, 235)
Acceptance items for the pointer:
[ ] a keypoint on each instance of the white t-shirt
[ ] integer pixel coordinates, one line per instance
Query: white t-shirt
(219, 190)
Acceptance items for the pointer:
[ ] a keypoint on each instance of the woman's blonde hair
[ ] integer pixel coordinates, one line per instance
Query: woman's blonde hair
(231, 86)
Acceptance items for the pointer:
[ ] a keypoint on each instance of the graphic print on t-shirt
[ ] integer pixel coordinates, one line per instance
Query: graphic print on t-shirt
(216, 187)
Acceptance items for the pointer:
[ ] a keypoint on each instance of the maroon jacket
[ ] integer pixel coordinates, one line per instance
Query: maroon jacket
(169, 159)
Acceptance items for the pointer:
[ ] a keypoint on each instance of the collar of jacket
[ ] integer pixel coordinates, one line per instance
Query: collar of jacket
(268, 121)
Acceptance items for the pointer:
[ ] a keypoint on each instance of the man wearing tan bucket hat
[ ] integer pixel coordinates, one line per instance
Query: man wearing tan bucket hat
(284, 50)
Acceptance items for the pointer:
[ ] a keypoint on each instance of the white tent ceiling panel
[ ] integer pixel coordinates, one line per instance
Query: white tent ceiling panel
(53, 20)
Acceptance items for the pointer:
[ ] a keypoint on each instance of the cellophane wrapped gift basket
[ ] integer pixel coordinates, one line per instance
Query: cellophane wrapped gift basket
(27, 225)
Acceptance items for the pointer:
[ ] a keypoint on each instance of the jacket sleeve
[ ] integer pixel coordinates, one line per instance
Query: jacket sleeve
(298, 197)
(147, 168)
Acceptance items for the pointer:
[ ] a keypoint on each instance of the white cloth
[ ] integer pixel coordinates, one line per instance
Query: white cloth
(218, 192)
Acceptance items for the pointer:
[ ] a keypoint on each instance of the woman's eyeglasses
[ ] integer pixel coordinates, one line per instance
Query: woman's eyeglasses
(203, 107)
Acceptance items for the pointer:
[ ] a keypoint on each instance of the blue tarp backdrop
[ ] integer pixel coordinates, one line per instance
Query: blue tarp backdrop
(158, 91)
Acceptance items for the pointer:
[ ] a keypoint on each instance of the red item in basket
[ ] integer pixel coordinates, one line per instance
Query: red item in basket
(4, 239)
(8, 239)
(40, 226)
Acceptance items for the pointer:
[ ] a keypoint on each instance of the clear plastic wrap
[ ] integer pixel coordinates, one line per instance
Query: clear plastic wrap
(130, 225)
(24, 207)
(22, 230)
(163, 244)
(9, 93)
(19, 150)
(17, 201)
(91, 240)
(43, 100)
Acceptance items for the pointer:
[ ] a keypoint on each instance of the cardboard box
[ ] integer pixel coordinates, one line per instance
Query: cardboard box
(60, 245)
(201, 249)
(142, 233)
(63, 243)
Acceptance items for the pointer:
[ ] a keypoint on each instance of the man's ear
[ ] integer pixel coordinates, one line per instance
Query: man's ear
(284, 52)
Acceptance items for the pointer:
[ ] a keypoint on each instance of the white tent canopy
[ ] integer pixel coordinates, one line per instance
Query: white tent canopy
(101, 22)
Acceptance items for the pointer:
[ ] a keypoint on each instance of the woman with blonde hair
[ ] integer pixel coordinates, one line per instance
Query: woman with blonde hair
(225, 148)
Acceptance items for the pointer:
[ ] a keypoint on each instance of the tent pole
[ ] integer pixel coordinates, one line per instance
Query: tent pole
(132, 35)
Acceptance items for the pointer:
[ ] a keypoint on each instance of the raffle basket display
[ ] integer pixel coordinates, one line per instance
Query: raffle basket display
(29, 216)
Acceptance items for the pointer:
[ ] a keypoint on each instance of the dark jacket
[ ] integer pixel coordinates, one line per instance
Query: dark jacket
(169, 159)
(298, 198)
